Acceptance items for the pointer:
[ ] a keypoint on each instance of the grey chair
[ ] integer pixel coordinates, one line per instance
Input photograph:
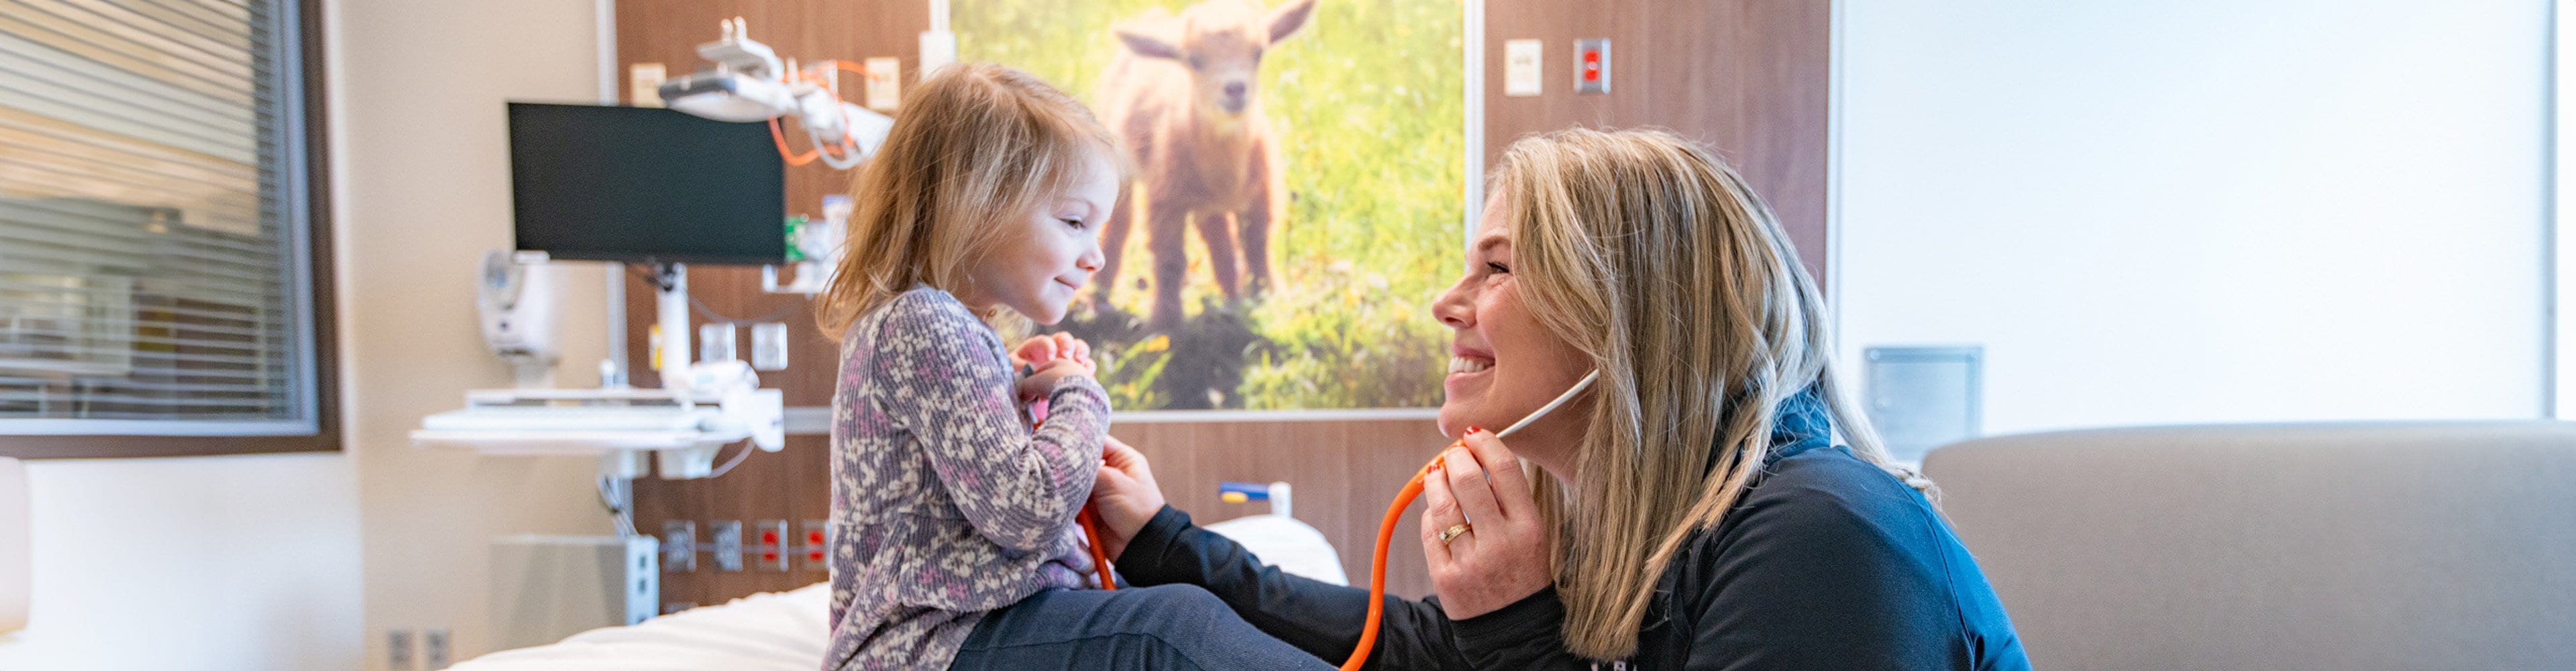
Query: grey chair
(2415, 545)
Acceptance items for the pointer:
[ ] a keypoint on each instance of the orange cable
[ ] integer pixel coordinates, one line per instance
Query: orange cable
(780, 138)
(1377, 565)
(1090, 520)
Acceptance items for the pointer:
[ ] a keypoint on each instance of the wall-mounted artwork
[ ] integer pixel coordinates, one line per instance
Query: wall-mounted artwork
(1298, 199)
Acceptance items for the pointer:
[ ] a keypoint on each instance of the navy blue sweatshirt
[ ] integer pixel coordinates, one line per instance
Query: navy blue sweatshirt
(1827, 563)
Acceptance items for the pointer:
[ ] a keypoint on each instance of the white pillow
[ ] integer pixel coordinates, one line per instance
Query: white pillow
(1286, 543)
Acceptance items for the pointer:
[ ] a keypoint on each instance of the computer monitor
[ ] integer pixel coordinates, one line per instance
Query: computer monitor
(647, 185)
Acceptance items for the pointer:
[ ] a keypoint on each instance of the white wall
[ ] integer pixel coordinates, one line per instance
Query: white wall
(2563, 285)
(255, 562)
(247, 563)
(2202, 210)
(424, 190)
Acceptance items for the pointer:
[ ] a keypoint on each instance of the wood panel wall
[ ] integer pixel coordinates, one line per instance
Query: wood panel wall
(1344, 474)
(1747, 76)
(792, 485)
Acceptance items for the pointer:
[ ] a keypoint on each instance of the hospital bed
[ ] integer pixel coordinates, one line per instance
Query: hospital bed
(787, 631)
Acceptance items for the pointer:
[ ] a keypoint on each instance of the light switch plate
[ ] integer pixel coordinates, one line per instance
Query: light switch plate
(644, 84)
(1521, 67)
(1592, 66)
(716, 341)
(769, 346)
(884, 83)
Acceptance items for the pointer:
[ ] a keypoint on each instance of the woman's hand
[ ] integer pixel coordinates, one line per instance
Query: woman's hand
(1503, 557)
(1125, 496)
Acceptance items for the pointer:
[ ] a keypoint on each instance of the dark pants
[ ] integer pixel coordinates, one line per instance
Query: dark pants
(1163, 627)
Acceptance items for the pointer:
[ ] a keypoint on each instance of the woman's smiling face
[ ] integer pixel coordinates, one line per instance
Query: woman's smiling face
(1503, 363)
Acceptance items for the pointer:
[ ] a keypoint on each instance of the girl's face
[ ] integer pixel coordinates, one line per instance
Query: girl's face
(1503, 363)
(1043, 258)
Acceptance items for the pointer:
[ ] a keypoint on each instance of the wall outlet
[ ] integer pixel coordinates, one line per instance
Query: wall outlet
(433, 649)
(772, 545)
(680, 546)
(1592, 66)
(728, 550)
(398, 650)
(643, 579)
(816, 543)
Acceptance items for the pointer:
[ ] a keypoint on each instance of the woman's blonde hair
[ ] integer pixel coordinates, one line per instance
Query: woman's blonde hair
(975, 146)
(1652, 257)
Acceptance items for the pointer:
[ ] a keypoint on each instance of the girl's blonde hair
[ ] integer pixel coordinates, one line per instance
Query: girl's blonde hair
(975, 146)
(1652, 257)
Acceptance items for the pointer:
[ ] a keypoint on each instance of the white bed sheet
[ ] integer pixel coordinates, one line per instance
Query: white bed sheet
(770, 631)
(787, 631)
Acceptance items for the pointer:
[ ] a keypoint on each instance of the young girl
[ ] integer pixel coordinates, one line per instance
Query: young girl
(955, 543)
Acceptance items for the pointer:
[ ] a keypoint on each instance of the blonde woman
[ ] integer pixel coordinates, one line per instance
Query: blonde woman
(1712, 503)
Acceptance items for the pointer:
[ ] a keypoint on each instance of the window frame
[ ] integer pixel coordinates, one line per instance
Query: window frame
(307, 84)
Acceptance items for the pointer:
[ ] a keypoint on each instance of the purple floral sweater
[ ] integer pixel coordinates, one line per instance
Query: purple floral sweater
(944, 503)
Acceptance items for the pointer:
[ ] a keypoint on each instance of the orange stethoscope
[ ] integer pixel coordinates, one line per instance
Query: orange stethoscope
(1385, 528)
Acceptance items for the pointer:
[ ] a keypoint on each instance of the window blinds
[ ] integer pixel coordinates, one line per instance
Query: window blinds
(153, 260)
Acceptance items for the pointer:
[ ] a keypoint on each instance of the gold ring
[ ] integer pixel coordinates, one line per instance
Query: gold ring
(1454, 531)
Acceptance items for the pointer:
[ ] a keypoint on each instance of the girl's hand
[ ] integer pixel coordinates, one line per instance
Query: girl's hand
(1035, 352)
(1124, 494)
(1037, 385)
(1038, 352)
(1503, 556)
(1074, 348)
